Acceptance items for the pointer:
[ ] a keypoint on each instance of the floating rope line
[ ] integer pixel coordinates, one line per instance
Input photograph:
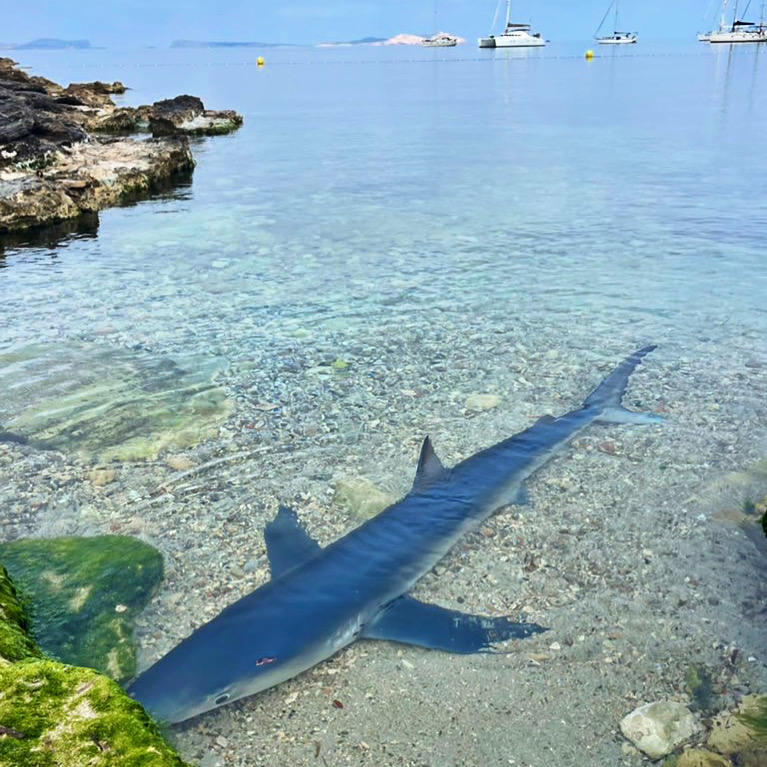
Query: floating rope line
(356, 62)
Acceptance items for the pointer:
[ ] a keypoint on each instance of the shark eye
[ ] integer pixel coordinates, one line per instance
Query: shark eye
(223, 698)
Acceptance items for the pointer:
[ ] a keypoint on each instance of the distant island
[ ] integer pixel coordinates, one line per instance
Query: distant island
(401, 39)
(48, 43)
(361, 41)
(224, 44)
(53, 43)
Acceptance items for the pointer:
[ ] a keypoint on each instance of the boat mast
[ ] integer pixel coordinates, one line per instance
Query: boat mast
(508, 14)
(723, 20)
(495, 17)
(615, 23)
(735, 16)
(607, 12)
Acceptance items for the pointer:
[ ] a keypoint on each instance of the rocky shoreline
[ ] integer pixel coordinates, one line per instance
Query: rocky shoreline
(65, 151)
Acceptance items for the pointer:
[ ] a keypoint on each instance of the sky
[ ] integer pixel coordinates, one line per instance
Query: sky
(138, 23)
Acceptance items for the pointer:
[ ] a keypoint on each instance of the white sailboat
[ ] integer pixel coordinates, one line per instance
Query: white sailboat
(513, 35)
(616, 38)
(738, 31)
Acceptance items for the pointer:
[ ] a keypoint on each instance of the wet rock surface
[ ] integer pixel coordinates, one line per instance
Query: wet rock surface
(56, 164)
(187, 115)
(15, 642)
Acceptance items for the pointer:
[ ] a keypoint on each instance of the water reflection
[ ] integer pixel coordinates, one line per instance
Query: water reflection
(50, 237)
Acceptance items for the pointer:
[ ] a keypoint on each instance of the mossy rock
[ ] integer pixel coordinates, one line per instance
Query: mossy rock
(81, 596)
(53, 715)
(754, 716)
(15, 642)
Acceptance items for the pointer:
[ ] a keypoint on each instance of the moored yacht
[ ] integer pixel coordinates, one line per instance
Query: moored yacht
(737, 31)
(513, 35)
(616, 38)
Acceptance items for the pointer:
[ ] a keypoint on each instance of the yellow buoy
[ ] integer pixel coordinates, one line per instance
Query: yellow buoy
(589, 55)
(260, 61)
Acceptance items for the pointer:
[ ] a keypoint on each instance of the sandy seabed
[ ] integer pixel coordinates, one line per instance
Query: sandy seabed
(625, 552)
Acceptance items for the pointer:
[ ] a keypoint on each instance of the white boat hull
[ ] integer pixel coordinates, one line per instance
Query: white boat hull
(617, 40)
(519, 40)
(754, 36)
(440, 44)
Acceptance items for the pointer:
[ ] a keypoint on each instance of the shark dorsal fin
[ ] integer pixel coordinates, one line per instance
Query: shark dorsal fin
(287, 543)
(430, 468)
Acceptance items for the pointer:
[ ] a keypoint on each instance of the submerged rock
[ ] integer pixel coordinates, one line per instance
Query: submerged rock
(742, 732)
(361, 496)
(696, 757)
(481, 402)
(109, 404)
(658, 728)
(82, 596)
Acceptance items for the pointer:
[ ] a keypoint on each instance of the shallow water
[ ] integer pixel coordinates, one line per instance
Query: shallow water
(437, 224)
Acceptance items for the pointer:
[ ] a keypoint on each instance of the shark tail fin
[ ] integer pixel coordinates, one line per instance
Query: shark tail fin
(606, 398)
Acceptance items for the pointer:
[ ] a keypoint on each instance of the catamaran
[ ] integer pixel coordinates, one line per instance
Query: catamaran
(513, 35)
(616, 38)
(738, 31)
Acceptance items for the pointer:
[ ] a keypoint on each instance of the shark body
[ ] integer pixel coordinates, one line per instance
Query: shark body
(321, 600)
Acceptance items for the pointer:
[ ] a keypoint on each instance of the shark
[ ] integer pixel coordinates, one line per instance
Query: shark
(319, 600)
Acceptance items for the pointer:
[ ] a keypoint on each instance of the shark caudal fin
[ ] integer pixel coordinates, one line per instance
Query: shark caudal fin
(606, 398)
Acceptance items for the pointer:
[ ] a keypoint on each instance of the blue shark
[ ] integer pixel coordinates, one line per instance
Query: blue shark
(319, 600)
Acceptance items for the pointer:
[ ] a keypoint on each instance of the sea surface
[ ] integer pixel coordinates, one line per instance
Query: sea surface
(391, 231)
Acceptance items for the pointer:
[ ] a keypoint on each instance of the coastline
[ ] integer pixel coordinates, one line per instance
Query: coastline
(65, 151)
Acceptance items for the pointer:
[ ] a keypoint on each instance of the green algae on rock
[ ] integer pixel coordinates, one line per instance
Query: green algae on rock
(56, 715)
(81, 596)
(110, 404)
(15, 642)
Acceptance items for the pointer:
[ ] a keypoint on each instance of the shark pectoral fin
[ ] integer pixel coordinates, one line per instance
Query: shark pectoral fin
(409, 621)
(430, 468)
(287, 543)
(619, 414)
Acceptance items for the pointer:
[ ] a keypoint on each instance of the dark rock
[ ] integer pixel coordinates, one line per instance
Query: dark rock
(179, 109)
(187, 115)
(53, 169)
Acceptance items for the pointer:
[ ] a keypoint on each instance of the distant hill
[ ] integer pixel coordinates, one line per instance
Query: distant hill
(402, 39)
(232, 44)
(361, 41)
(52, 43)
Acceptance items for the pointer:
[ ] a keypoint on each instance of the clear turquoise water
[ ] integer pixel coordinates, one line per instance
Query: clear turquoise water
(631, 189)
